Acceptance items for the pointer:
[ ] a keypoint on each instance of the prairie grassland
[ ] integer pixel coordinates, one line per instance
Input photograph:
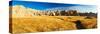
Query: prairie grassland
(49, 23)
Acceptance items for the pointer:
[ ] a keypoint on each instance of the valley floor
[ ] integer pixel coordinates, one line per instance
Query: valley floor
(50, 23)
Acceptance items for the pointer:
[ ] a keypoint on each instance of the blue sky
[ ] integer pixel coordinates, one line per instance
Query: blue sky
(46, 5)
(41, 5)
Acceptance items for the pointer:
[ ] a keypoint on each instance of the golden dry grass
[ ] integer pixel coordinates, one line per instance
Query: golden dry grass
(49, 23)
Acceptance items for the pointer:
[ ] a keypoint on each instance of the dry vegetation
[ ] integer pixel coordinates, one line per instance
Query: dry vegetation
(49, 23)
(23, 20)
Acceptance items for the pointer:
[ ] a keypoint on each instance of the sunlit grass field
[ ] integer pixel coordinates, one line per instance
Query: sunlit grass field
(50, 23)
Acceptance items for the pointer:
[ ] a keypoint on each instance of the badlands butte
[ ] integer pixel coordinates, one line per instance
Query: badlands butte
(25, 20)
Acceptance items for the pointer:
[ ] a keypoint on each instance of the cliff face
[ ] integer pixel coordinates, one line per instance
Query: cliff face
(21, 11)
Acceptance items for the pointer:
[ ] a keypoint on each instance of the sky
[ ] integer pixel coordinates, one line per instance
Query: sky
(46, 5)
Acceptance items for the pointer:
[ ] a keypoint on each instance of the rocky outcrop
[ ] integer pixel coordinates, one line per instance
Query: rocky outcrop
(21, 11)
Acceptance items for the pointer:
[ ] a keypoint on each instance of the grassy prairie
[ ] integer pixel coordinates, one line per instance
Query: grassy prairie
(50, 23)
